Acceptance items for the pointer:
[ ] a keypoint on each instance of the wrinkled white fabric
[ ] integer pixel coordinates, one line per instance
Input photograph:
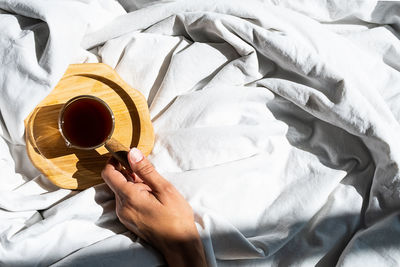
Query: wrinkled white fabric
(277, 120)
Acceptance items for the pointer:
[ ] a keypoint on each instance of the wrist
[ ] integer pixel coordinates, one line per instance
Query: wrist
(188, 252)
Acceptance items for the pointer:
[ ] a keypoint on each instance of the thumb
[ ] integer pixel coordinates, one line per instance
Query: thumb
(143, 168)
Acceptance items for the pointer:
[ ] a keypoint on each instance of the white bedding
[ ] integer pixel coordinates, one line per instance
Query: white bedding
(277, 120)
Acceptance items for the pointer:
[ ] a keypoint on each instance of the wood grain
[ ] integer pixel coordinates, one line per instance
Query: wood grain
(79, 169)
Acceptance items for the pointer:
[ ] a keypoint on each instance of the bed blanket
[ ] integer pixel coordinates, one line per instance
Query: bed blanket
(277, 120)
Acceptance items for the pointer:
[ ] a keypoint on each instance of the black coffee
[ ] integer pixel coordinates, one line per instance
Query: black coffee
(87, 122)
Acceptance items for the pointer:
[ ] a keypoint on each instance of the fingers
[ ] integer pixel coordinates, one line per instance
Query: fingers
(143, 172)
(142, 167)
(113, 177)
(132, 177)
(128, 175)
(141, 187)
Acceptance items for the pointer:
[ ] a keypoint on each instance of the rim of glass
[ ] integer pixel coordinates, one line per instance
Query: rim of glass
(61, 121)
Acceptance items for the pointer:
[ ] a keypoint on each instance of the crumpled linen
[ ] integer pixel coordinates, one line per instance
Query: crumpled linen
(277, 121)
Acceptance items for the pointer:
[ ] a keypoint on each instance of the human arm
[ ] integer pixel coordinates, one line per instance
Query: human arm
(153, 209)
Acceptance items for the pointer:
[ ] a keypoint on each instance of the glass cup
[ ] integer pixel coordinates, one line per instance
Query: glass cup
(86, 122)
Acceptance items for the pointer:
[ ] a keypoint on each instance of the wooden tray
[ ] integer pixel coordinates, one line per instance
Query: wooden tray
(78, 169)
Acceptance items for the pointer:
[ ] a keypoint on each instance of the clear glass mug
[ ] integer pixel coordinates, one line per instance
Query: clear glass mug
(86, 122)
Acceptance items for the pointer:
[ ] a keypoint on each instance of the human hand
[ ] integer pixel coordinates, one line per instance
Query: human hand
(153, 209)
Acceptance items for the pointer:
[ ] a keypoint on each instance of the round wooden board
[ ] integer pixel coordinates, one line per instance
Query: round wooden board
(79, 169)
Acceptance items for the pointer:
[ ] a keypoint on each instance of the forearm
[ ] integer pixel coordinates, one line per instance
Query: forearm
(184, 254)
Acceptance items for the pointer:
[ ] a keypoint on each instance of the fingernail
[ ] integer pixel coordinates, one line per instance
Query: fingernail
(135, 155)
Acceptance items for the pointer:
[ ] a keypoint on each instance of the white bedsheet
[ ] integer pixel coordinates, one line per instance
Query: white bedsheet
(277, 120)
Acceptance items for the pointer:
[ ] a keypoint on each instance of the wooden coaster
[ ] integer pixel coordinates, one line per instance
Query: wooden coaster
(79, 169)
